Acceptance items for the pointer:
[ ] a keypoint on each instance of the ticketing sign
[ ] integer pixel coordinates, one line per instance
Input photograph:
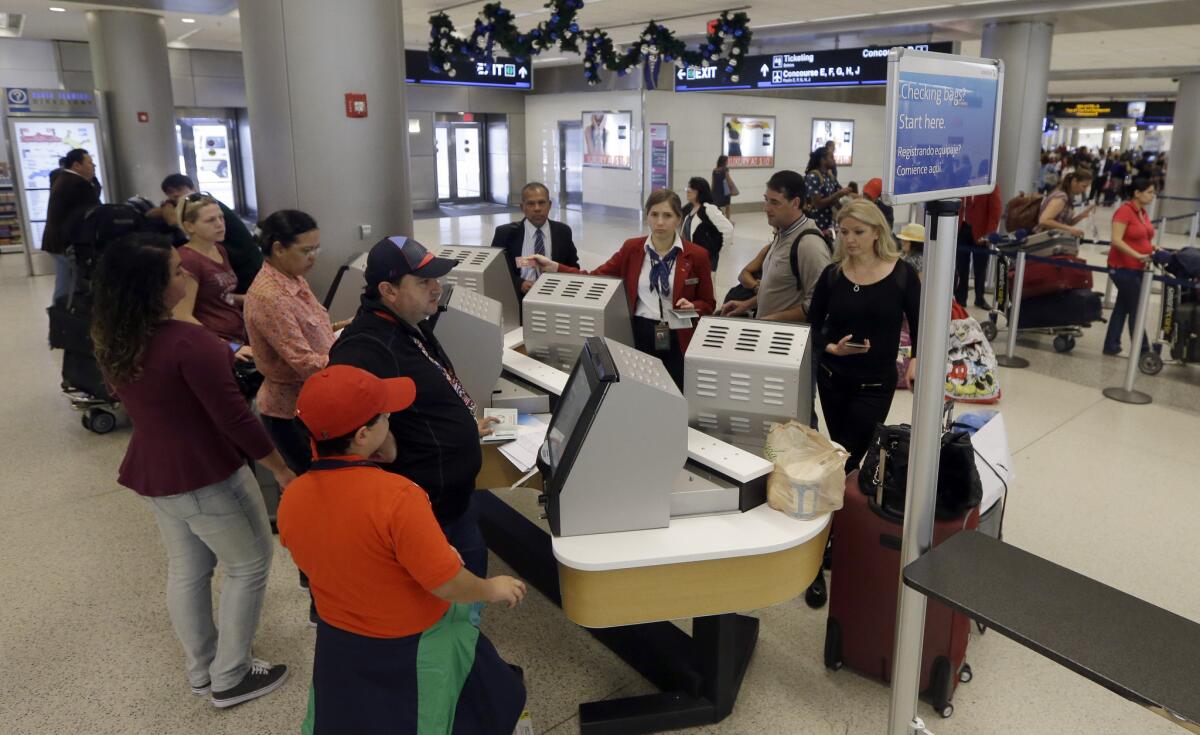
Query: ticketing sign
(497, 72)
(1150, 112)
(850, 67)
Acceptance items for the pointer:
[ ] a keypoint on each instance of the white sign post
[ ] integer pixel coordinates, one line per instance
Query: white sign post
(942, 134)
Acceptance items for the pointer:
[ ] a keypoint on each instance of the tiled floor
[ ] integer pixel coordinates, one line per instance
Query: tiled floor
(85, 644)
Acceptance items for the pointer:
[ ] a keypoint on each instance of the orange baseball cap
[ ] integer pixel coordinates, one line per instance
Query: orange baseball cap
(873, 188)
(341, 398)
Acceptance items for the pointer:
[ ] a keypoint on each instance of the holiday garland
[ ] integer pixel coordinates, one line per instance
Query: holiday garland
(726, 43)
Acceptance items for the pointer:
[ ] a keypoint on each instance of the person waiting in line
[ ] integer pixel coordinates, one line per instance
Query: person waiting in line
(245, 257)
(873, 191)
(723, 188)
(439, 437)
(1132, 246)
(790, 265)
(662, 272)
(210, 299)
(703, 223)
(979, 218)
(822, 188)
(534, 234)
(191, 428)
(858, 308)
(71, 196)
(911, 241)
(1058, 208)
(396, 649)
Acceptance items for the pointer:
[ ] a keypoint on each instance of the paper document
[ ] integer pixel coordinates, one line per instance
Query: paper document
(531, 432)
(506, 430)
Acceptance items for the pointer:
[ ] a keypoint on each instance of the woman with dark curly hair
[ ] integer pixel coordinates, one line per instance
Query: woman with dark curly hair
(191, 428)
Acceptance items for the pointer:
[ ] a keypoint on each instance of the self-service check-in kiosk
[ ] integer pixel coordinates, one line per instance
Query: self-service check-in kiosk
(484, 271)
(616, 455)
(742, 375)
(562, 310)
(469, 329)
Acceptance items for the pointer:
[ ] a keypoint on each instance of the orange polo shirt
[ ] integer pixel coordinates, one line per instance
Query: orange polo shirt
(371, 548)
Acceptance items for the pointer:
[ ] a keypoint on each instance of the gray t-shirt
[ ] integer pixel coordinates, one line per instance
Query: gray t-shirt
(778, 289)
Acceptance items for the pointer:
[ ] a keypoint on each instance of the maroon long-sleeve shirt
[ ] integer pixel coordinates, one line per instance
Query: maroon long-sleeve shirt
(189, 417)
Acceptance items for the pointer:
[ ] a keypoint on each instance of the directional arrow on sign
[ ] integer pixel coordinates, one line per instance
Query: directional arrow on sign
(680, 74)
(522, 73)
(764, 69)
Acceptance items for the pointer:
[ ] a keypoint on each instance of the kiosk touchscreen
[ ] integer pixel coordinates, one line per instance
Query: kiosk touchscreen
(616, 443)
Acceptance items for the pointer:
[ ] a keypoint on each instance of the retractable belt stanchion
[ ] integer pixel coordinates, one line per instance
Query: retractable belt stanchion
(1109, 299)
(1008, 359)
(1195, 227)
(1162, 227)
(1126, 393)
(928, 399)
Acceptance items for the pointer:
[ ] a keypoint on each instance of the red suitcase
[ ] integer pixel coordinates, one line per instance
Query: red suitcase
(865, 578)
(1048, 278)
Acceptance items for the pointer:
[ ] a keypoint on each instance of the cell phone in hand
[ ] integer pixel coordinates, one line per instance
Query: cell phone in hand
(856, 345)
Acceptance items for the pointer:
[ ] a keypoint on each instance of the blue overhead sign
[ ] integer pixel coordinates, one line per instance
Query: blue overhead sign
(497, 72)
(943, 126)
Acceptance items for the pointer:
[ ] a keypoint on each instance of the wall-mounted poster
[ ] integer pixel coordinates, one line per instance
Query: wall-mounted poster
(748, 141)
(606, 139)
(841, 132)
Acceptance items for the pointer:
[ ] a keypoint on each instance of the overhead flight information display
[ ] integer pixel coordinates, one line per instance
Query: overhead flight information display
(848, 67)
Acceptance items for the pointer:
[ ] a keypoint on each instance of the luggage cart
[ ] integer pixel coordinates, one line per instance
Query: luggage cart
(1169, 337)
(1005, 248)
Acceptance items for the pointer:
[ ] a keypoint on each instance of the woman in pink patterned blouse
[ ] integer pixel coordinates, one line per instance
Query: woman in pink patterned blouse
(289, 330)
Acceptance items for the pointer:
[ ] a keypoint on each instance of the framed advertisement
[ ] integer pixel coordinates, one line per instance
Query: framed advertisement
(748, 141)
(841, 132)
(607, 139)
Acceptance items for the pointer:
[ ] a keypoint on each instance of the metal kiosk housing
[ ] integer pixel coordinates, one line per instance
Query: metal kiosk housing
(484, 271)
(563, 309)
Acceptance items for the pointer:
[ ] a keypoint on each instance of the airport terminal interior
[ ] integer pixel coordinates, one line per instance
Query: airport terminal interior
(348, 112)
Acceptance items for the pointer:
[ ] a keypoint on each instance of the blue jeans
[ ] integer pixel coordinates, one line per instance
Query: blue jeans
(1129, 285)
(224, 522)
(64, 277)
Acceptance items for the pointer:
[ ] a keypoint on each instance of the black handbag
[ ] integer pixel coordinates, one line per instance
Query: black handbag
(884, 473)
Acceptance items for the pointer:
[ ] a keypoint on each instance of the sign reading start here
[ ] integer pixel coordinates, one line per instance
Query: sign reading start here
(943, 126)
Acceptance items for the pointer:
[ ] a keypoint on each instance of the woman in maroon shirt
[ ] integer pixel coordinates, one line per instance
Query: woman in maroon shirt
(191, 429)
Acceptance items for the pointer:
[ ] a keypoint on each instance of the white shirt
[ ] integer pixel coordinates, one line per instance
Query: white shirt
(531, 274)
(649, 303)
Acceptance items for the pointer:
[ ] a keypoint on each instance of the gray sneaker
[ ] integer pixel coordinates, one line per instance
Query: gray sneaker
(262, 678)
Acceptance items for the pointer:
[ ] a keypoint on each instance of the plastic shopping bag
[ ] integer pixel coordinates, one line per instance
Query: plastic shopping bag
(810, 471)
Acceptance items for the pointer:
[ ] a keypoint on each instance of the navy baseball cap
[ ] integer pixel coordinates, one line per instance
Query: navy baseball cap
(396, 256)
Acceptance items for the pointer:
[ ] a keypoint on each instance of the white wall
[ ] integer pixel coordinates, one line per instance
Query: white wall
(607, 186)
(696, 130)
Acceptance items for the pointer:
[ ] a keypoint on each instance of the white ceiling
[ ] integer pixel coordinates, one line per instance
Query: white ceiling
(1173, 43)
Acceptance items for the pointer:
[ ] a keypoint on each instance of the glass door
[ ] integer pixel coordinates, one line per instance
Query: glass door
(208, 153)
(459, 161)
(570, 163)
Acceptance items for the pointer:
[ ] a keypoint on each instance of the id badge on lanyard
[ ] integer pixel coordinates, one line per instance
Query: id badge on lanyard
(662, 337)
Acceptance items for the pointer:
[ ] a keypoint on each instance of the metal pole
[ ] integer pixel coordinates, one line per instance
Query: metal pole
(925, 448)
(1008, 359)
(1126, 393)
(1109, 301)
(1194, 228)
(1162, 227)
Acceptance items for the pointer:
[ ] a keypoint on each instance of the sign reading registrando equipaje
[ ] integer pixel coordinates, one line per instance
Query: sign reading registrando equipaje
(943, 126)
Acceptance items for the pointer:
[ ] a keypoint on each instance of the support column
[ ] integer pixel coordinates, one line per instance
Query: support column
(129, 63)
(1183, 167)
(1024, 47)
(1074, 138)
(1125, 130)
(300, 58)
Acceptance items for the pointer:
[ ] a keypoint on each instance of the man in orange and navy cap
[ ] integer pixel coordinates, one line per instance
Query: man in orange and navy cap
(438, 438)
(391, 592)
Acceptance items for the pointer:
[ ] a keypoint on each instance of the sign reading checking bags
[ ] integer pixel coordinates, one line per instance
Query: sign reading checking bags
(943, 126)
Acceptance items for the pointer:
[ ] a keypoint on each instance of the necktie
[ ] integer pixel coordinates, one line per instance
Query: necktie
(539, 242)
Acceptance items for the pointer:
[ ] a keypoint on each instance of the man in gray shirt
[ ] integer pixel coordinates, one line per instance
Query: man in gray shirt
(791, 264)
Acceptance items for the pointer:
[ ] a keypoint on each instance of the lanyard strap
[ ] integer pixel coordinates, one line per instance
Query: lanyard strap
(451, 378)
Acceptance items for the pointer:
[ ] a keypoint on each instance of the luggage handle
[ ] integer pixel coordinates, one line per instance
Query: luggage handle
(889, 541)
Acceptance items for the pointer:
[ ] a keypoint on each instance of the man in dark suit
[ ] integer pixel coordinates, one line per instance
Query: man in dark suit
(71, 196)
(536, 234)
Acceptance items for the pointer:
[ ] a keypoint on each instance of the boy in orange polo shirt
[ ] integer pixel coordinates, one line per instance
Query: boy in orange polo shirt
(396, 650)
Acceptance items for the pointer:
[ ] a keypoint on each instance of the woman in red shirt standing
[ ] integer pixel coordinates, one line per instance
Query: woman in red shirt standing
(1132, 245)
(662, 272)
(191, 428)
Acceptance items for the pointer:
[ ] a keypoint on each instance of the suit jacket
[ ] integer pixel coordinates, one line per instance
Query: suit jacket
(692, 277)
(511, 237)
(70, 198)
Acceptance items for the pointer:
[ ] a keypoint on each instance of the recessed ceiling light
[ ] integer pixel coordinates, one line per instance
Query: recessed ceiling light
(187, 20)
(58, 10)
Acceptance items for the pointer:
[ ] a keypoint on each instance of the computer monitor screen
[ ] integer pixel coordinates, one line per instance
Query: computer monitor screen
(579, 400)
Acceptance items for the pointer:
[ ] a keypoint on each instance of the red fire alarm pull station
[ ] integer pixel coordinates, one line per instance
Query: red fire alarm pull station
(143, 117)
(356, 104)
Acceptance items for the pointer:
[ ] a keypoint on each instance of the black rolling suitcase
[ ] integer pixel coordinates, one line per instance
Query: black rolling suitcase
(1075, 307)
